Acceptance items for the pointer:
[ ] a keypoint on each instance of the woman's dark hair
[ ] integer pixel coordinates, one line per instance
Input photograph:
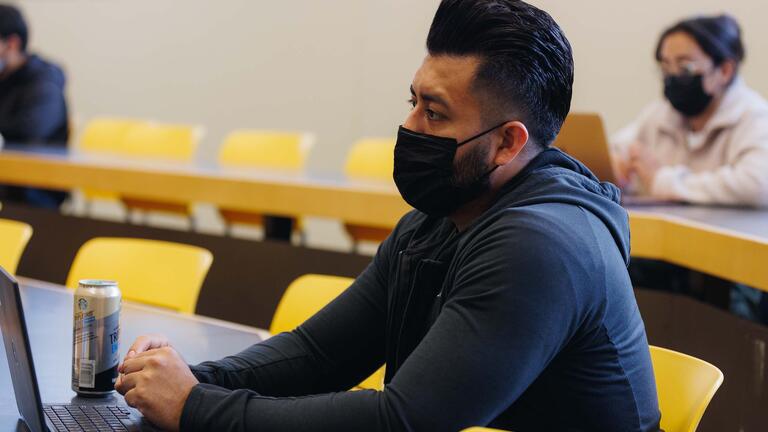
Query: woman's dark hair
(718, 36)
(12, 23)
(526, 61)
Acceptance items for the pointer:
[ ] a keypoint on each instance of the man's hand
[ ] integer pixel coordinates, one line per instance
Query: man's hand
(645, 164)
(157, 382)
(144, 343)
(148, 342)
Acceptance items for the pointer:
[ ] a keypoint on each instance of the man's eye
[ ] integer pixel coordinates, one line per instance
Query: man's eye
(412, 102)
(431, 115)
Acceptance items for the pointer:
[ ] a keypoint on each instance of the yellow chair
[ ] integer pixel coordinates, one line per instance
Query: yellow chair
(154, 272)
(105, 135)
(370, 158)
(14, 237)
(285, 151)
(161, 142)
(304, 297)
(266, 149)
(685, 386)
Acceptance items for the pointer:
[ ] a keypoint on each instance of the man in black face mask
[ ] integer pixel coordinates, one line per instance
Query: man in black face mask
(502, 300)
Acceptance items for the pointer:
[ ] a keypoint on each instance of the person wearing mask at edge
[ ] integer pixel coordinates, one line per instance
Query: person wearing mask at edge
(503, 299)
(705, 143)
(32, 106)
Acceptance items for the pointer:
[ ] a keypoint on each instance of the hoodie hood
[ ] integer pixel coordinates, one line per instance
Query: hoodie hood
(555, 177)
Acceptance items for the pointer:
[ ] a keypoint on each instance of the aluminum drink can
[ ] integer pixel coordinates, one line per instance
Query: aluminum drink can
(96, 337)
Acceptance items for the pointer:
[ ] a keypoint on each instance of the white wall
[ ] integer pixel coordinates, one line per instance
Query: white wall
(340, 68)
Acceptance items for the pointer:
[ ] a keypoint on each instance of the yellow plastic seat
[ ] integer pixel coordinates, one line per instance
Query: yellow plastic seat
(161, 142)
(157, 273)
(370, 158)
(266, 149)
(685, 386)
(304, 297)
(14, 237)
(105, 135)
(284, 151)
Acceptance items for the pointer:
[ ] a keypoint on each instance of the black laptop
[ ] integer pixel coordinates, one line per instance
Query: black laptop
(88, 415)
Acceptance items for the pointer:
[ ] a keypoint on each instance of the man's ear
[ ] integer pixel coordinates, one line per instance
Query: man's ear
(514, 139)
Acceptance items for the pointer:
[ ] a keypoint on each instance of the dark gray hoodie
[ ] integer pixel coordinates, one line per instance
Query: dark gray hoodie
(32, 105)
(33, 111)
(525, 321)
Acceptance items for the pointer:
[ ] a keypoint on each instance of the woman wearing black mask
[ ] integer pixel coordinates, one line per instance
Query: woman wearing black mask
(707, 141)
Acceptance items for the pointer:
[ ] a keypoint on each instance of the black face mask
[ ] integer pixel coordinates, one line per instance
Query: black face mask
(686, 94)
(424, 173)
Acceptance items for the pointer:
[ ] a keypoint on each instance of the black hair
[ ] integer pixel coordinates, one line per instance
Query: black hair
(12, 23)
(526, 61)
(718, 36)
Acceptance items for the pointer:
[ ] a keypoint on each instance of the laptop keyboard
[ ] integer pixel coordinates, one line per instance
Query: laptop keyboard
(84, 418)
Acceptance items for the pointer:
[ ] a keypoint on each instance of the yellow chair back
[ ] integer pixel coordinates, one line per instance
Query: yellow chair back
(685, 386)
(106, 134)
(265, 149)
(162, 141)
(371, 158)
(14, 237)
(154, 272)
(304, 297)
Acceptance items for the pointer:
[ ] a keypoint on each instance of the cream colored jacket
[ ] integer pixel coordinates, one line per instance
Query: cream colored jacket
(725, 163)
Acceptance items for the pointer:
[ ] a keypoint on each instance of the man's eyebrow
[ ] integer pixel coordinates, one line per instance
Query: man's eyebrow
(430, 98)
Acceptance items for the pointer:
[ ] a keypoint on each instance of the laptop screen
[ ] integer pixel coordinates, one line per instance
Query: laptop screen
(19, 354)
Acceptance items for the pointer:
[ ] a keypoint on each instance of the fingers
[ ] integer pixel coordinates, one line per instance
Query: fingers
(132, 398)
(121, 367)
(153, 357)
(143, 344)
(126, 383)
(134, 364)
(147, 342)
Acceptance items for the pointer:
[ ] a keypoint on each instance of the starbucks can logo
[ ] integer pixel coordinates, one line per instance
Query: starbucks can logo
(82, 304)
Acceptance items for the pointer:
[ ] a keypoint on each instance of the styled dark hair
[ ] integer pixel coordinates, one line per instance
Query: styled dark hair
(526, 61)
(718, 36)
(12, 23)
